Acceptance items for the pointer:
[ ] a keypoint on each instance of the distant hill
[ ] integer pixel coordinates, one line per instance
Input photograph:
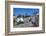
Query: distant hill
(24, 16)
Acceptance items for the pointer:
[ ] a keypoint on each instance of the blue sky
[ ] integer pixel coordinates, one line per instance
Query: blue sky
(22, 11)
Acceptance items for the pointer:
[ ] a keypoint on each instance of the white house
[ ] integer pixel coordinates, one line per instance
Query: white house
(20, 19)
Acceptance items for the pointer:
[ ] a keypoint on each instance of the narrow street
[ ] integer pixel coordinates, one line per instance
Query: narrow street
(29, 24)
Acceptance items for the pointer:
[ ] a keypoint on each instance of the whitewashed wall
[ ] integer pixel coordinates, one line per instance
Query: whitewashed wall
(2, 17)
